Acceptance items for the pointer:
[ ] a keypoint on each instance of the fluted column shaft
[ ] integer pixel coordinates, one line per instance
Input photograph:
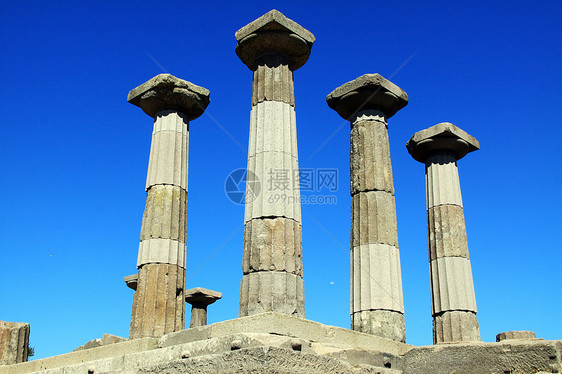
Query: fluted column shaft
(377, 303)
(158, 304)
(452, 288)
(272, 257)
(14, 341)
(376, 282)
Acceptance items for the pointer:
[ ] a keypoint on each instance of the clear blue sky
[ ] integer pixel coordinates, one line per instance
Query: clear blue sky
(75, 153)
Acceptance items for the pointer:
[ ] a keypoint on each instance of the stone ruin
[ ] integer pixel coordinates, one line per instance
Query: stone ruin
(271, 333)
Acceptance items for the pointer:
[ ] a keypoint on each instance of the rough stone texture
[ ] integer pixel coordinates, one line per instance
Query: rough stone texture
(165, 214)
(369, 91)
(455, 326)
(14, 340)
(159, 303)
(161, 251)
(105, 340)
(268, 291)
(373, 219)
(276, 343)
(168, 163)
(273, 80)
(200, 298)
(442, 181)
(446, 232)
(509, 335)
(325, 339)
(376, 281)
(384, 323)
(272, 245)
(371, 169)
(165, 91)
(441, 137)
(273, 32)
(451, 284)
(514, 357)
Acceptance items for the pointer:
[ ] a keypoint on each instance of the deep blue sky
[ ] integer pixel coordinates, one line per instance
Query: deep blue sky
(75, 153)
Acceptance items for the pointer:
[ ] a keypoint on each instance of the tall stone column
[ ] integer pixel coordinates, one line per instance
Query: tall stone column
(159, 303)
(377, 304)
(14, 341)
(452, 290)
(273, 46)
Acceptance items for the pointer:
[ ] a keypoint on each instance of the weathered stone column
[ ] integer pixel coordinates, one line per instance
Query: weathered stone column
(158, 303)
(452, 290)
(273, 46)
(200, 299)
(377, 305)
(14, 340)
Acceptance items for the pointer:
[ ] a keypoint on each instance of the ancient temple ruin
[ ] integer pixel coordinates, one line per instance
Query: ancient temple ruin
(271, 334)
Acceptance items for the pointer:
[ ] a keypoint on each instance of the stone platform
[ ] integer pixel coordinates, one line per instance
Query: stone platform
(277, 343)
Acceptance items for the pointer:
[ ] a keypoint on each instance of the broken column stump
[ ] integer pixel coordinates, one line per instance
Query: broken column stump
(200, 298)
(14, 342)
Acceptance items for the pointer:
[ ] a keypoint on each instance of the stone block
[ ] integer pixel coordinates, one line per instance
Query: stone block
(168, 163)
(515, 356)
(272, 245)
(443, 137)
(371, 168)
(455, 326)
(14, 341)
(376, 281)
(106, 339)
(273, 128)
(270, 291)
(159, 302)
(132, 281)
(369, 91)
(442, 181)
(165, 214)
(452, 287)
(373, 219)
(447, 232)
(280, 192)
(384, 323)
(165, 91)
(509, 335)
(161, 251)
(273, 32)
(273, 81)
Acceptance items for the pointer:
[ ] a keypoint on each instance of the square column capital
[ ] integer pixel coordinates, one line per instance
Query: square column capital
(369, 91)
(165, 91)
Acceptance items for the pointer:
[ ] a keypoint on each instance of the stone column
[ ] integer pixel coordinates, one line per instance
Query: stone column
(273, 46)
(452, 290)
(14, 340)
(158, 303)
(377, 305)
(200, 299)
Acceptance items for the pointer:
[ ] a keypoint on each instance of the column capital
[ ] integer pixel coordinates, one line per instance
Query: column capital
(201, 296)
(369, 91)
(165, 91)
(277, 34)
(443, 137)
